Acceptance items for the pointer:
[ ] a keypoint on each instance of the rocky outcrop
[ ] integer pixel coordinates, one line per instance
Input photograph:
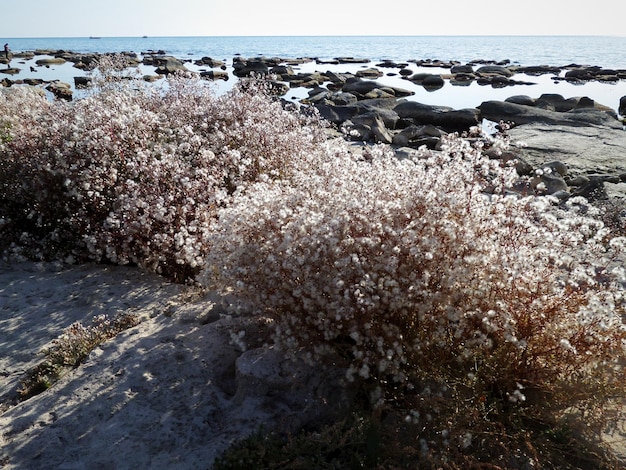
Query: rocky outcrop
(442, 116)
(211, 63)
(594, 157)
(579, 115)
(166, 65)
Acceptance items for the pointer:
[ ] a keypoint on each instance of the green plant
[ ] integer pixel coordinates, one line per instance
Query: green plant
(71, 348)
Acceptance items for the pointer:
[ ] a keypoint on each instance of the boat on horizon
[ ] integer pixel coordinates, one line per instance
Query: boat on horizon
(94, 37)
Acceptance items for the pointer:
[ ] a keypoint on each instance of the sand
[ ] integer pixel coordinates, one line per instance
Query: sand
(172, 392)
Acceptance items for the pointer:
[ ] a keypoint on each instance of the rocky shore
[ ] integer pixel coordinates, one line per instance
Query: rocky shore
(585, 137)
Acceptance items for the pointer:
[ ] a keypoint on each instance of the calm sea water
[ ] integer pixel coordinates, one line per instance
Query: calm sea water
(609, 52)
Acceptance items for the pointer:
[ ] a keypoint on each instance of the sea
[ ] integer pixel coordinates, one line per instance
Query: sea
(603, 51)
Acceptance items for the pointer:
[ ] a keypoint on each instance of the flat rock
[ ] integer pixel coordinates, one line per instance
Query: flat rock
(586, 150)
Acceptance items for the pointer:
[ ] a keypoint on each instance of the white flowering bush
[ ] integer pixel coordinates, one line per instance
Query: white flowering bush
(133, 173)
(426, 279)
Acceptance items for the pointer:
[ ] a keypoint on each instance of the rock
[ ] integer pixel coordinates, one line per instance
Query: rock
(433, 82)
(556, 166)
(215, 75)
(622, 106)
(259, 65)
(521, 99)
(497, 111)
(536, 70)
(209, 62)
(351, 60)
(11, 71)
(467, 68)
(494, 70)
(60, 90)
(585, 150)
(50, 61)
(448, 118)
(361, 88)
(369, 73)
(548, 183)
(166, 65)
(82, 82)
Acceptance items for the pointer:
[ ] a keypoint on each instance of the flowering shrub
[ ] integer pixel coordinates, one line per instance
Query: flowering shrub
(423, 278)
(135, 174)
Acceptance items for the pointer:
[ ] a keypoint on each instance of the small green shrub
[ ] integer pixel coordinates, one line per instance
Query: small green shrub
(71, 348)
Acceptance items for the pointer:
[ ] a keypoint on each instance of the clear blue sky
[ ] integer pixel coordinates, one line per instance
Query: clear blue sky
(67, 18)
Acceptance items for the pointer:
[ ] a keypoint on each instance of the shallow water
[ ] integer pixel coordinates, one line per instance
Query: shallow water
(530, 50)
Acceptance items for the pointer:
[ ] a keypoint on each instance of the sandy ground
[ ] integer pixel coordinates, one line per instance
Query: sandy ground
(172, 392)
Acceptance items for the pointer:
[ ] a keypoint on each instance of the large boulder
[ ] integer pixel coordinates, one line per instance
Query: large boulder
(521, 114)
(448, 118)
(359, 87)
(50, 61)
(166, 65)
(494, 70)
(254, 66)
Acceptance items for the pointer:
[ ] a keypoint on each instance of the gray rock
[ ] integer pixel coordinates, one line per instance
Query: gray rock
(369, 73)
(520, 114)
(585, 150)
(446, 117)
(548, 183)
(622, 105)
(360, 87)
(214, 75)
(209, 62)
(60, 90)
(166, 65)
(521, 99)
(50, 61)
(494, 70)
(433, 82)
(467, 68)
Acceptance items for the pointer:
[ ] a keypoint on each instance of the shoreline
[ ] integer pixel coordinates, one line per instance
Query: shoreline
(453, 88)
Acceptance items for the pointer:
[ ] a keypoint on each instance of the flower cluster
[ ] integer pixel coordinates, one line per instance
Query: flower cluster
(135, 174)
(429, 271)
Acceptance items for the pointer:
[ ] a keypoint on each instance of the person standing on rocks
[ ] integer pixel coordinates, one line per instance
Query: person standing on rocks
(7, 52)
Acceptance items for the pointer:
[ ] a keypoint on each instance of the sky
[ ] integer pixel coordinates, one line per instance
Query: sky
(83, 18)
